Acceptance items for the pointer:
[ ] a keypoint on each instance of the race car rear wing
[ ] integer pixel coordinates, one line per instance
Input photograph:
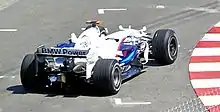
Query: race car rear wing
(120, 27)
(62, 52)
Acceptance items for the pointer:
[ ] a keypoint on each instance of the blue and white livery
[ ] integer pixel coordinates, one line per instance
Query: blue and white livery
(100, 58)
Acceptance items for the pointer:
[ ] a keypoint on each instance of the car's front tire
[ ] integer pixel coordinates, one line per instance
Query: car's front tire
(165, 46)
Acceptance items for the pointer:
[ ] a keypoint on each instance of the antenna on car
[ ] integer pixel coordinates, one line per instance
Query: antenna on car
(129, 27)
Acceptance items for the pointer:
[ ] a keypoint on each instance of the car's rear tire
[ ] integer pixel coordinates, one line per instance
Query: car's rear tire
(165, 46)
(28, 72)
(107, 76)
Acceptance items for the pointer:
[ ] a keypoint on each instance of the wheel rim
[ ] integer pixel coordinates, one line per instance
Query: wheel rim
(172, 47)
(116, 77)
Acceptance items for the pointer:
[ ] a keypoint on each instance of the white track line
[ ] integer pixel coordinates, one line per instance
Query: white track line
(102, 11)
(7, 3)
(118, 101)
(205, 83)
(2, 76)
(200, 67)
(8, 30)
(160, 7)
(204, 9)
(10, 74)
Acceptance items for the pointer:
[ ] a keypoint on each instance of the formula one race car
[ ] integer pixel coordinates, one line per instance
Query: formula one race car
(101, 60)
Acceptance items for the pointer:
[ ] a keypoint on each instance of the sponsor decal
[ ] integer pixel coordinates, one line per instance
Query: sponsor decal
(62, 51)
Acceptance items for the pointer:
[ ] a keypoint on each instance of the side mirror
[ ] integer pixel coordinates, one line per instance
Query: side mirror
(144, 28)
(120, 27)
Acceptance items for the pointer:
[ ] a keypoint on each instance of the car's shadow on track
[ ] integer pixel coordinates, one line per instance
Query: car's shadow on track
(153, 63)
(17, 89)
(81, 90)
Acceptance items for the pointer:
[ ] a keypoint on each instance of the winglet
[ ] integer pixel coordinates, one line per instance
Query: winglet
(106, 29)
(73, 37)
(129, 27)
(83, 29)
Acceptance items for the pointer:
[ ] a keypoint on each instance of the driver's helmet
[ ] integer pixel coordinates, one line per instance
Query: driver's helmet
(93, 22)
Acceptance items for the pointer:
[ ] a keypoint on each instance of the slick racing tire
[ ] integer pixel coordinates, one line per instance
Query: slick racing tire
(107, 76)
(165, 46)
(28, 72)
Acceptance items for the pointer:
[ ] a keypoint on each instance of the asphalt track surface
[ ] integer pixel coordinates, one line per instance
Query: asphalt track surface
(47, 22)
